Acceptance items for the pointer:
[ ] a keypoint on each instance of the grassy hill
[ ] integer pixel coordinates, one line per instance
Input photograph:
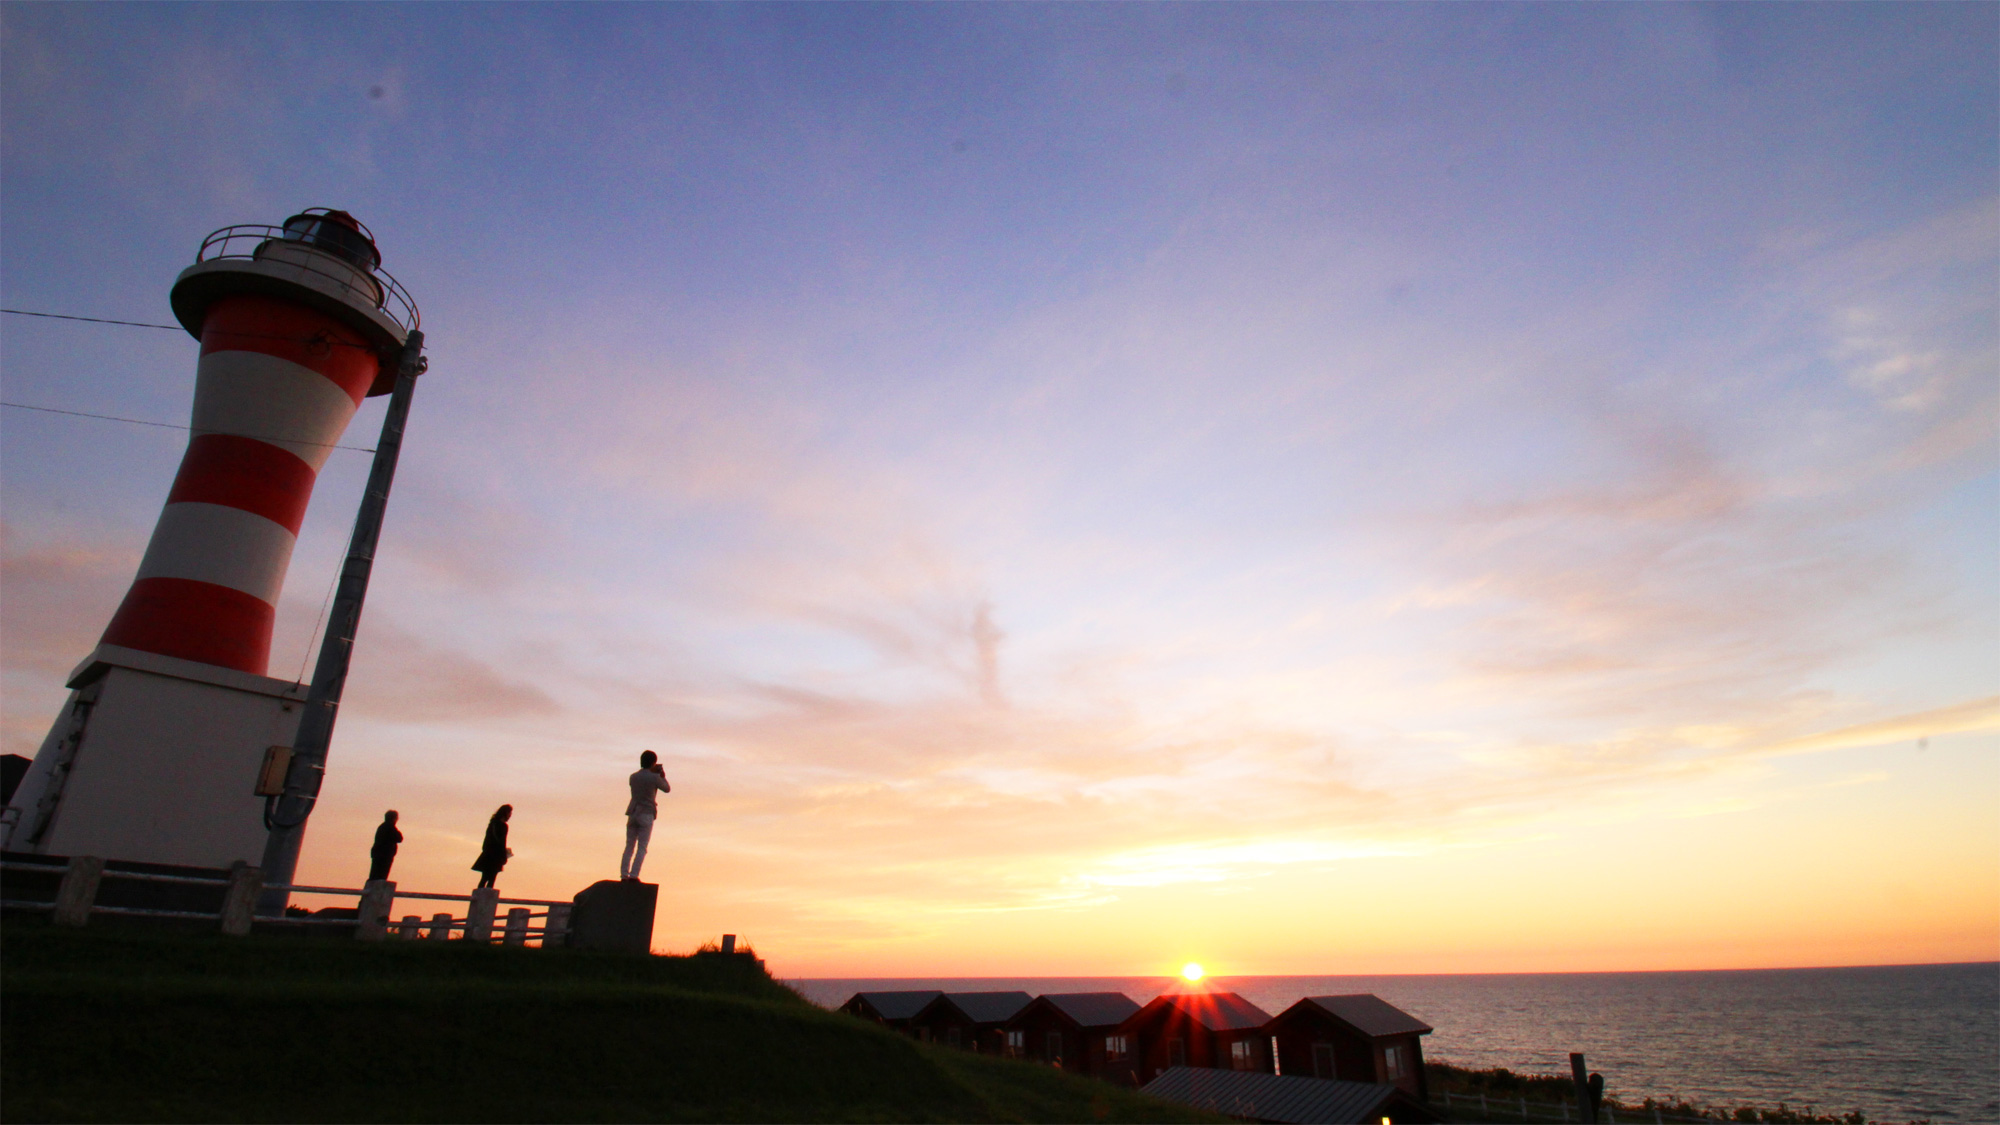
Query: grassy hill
(127, 1025)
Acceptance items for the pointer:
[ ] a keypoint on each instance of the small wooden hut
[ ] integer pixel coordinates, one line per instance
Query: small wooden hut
(892, 1009)
(1359, 1038)
(1220, 1030)
(971, 1020)
(1078, 1031)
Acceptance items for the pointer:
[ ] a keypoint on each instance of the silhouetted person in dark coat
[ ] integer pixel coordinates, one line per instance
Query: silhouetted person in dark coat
(493, 854)
(383, 854)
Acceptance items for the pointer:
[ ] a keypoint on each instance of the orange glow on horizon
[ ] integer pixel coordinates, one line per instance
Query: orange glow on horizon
(1192, 972)
(1877, 898)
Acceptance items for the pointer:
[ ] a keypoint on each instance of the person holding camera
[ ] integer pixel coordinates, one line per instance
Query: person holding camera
(647, 784)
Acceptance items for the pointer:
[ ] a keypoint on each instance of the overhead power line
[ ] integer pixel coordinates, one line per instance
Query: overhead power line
(321, 339)
(175, 425)
(95, 320)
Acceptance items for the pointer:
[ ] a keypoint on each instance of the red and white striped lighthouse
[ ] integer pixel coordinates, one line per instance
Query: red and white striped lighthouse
(158, 752)
(279, 377)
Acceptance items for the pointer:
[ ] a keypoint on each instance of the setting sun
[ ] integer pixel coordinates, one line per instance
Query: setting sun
(1191, 971)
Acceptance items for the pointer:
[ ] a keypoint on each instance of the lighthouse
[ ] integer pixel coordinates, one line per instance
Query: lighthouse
(173, 738)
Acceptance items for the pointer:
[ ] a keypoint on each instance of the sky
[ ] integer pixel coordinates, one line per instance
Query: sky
(1075, 489)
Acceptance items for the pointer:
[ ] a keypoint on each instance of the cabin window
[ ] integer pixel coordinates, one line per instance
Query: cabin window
(1243, 1055)
(1322, 1060)
(1276, 1067)
(1017, 1043)
(1117, 1047)
(1055, 1046)
(1392, 1061)
(1176, 1052)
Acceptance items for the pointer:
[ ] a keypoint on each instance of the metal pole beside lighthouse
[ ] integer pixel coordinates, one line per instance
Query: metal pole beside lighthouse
(161, 753)
(285, 813)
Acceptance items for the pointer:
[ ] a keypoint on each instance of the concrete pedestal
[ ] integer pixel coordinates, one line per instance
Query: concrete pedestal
(155, 760)
(614, 914)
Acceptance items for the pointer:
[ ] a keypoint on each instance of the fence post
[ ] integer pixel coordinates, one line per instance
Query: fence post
(1524, 1107)
(517, 925)
(412, 927)
(479, 916)
(555, 928)
(1577, 1071)
(371, 918)
(239, 899)
(1483, 1111)
(78, 892)
(440, 927)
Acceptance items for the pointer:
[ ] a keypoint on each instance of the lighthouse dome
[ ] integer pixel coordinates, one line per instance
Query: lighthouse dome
(335, 232)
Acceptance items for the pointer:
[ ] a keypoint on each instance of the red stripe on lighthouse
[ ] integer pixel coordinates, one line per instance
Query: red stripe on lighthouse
(241, 472)
(212, 573)
(304, 336)
(195, 621)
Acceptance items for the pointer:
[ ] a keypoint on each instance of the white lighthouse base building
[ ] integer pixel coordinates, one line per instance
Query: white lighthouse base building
(155, 758)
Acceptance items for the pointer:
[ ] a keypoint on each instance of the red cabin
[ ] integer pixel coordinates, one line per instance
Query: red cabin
(970, 1020)
(1210, 1029)
(1360, 1038)
(1078, 1031)
(891, 1009)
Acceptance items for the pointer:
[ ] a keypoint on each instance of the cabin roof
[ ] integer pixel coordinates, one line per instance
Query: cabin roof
(1369, 1014)
(1255, 1096)
(896, 1005)
(988, 1007)
(1093, 1009)
(1216, 1011)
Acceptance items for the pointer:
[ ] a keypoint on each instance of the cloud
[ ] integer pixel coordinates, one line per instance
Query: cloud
(986, 638)
(1718, 539)
(60, 593)
(399, 677)
(821, 651)
(1971, 716)
(1216, 861)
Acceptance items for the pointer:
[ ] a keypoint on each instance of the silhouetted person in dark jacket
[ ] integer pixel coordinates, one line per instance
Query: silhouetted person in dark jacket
(493, 854)
(383, 854)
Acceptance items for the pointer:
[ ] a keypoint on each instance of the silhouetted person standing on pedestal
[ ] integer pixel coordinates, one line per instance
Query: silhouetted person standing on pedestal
(494, 853)
(383, 854)
(647, 785)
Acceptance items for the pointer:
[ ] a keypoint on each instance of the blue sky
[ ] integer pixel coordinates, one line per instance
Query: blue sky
(1032, 468)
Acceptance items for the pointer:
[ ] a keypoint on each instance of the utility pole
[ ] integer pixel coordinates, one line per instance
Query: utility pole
(285, 814)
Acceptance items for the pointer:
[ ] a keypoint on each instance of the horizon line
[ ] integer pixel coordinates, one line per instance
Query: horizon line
(1281, 976)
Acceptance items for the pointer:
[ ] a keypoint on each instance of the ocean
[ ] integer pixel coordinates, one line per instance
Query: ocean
(1898, 1042)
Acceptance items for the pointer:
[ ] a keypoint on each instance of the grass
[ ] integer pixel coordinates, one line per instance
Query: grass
(131, 1025)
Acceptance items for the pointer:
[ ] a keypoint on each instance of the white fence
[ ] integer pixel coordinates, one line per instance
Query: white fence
(76, 900)
(1521, 1109)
